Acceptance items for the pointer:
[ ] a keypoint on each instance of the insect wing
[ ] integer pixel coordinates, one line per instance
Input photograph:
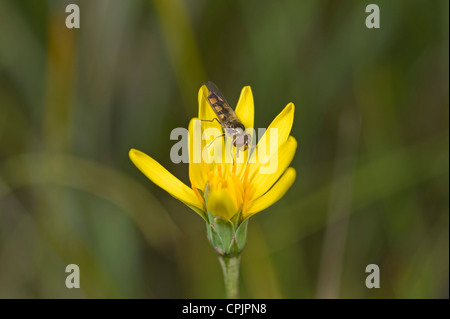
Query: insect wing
(219, 104)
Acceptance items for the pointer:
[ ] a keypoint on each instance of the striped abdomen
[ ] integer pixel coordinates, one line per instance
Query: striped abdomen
(224, 112)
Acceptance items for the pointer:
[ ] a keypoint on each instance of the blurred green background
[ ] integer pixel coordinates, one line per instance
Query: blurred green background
(371, 120)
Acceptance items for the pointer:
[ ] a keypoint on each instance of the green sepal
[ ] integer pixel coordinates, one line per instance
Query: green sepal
(235, 219)
(241, 235)
(214, 236)
(215, 240)
(239, 240)
(209, 231)
(223, 236)
(225, 229)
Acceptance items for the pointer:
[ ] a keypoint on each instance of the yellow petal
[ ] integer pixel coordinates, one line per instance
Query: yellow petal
(263, 182)
(197, 169)
(236, 189)
(164, 179)
(273, 195)
(283, 123)
(205, 112)
(209, 123)
(245, 109)
(220, 204)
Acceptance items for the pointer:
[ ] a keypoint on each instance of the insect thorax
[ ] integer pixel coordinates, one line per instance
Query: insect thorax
(235, 123)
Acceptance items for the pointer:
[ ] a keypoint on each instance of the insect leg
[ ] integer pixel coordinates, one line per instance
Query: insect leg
(212, 120)
(210, 143)
(231, 152)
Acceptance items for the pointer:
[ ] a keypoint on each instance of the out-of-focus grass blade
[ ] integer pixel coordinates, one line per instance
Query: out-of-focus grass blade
(307, 215)
(182, 48)
(97, 179)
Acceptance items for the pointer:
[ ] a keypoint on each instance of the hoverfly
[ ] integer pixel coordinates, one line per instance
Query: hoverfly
(227, 118)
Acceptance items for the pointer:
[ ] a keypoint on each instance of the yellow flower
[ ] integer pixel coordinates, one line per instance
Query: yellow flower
(226, 190)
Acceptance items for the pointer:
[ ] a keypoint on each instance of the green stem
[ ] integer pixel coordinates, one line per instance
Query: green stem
(230, 267)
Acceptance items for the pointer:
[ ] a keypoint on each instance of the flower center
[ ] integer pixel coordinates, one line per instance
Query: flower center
(227, 193)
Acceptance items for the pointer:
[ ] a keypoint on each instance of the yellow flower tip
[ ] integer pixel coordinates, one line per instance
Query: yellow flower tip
(203, 88)
(202, 94)
(247, 90)
(134, 154)
(245, 108)
(289, 108)
(293, 174)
